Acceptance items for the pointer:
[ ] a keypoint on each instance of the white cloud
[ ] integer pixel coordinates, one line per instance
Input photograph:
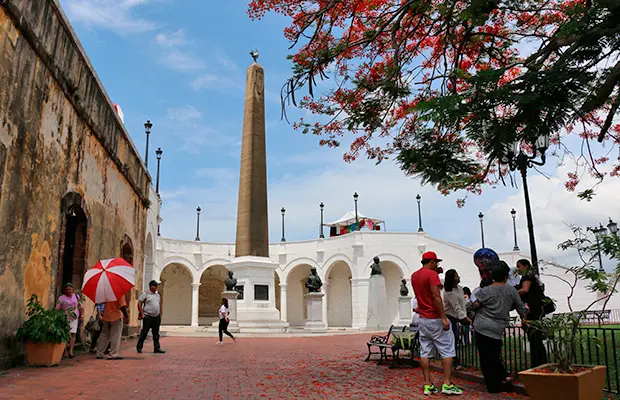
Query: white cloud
(225, 61)
(182, 60)
(173, 39)
(118, 16)
(182, 114)
(213, 81)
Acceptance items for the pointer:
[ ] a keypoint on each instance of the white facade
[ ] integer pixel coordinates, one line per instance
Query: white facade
(192, 274)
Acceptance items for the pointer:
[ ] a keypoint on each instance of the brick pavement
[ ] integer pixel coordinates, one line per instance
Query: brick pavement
(327, 367)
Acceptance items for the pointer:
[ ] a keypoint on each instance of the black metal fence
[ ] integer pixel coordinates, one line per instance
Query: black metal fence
(605, 350)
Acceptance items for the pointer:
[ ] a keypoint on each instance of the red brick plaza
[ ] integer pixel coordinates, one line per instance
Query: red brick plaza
(327, 367)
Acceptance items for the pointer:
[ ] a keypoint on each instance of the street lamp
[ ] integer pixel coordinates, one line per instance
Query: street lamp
(515, 158)
(198, 223)
(283, 211)
(514, 228)
(357, 220)
(321, 235)
(419, 198)
(481, 218)
(147, 129)
(158, 152)
(598, 232)
(613, 227)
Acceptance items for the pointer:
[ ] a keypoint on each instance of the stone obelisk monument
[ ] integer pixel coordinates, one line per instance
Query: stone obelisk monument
(256, 311)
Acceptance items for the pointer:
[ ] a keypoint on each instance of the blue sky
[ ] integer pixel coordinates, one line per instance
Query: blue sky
(181, 64)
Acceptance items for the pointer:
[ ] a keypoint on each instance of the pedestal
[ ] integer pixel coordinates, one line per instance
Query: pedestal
(256, 312)
(405, 311)
(231, 296)
(314, 322)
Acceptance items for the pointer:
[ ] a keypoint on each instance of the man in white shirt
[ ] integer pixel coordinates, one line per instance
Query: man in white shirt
(149, 306)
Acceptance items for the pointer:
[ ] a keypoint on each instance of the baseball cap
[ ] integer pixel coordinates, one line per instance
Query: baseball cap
(153, 283)
(430, 255)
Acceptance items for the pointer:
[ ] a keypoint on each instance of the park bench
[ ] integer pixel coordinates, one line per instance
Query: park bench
(596, 316)
(382, 342)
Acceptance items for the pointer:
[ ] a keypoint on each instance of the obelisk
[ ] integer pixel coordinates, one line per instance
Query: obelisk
(256, 311)
(252, 225)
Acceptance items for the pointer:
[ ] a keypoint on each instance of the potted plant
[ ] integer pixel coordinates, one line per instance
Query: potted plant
(45, 333)
(563, 378)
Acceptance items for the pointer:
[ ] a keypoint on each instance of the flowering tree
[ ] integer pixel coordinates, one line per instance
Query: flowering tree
(446, 86)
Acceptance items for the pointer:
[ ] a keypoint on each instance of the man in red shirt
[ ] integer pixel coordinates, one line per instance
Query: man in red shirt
(435, 332)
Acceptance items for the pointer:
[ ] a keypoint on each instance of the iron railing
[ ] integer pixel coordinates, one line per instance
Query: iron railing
(515, 351)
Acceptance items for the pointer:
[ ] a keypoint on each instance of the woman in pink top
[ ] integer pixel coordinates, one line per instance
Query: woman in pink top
(69, 302)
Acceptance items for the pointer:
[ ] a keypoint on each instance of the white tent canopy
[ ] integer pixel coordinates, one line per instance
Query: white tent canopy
(349, 219)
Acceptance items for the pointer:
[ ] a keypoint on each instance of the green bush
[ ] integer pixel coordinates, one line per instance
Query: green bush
(44, 326)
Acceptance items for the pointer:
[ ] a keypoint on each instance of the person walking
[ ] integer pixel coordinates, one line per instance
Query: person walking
(112, 328)
(435, 332)
(455, 306)
(493, 305)
(69, 302)
(224, 321)
(149, 306)
(531, 292)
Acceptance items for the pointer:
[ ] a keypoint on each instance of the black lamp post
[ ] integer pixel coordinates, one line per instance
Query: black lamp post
(158, 152)
(481, 218)
(147, 129)
(515, 158)
(419, 198)
(613, 227)
(321, 235)
(283, 211)
(514, 228)
(357, 220)
(198, 223)
(598, 231)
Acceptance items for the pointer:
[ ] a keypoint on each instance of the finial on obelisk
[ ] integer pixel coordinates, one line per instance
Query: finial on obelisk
(254, 54)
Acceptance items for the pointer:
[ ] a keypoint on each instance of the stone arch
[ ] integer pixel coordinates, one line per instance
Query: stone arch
(73, 246)
(329, 263)
(339, 294)
(175, 290)
(183, 261)
(276, 285)
(302, 260)
(210, 293)
(295, 289)
(392, 271)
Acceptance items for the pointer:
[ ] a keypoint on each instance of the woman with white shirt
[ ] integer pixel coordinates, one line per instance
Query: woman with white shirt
(224, 321)
(454, 306)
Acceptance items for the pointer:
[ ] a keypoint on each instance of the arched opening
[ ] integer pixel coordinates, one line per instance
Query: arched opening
(339, 298)
(210, 293)
(72, 254)
(392, 274)
(296, 306)
(149, 256)
(127, 255)
(176, 294)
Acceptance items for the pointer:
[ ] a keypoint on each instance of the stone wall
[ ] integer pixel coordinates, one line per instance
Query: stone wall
(67, 164)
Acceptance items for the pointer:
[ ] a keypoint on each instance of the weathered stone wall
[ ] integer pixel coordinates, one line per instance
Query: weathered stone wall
(59, 134)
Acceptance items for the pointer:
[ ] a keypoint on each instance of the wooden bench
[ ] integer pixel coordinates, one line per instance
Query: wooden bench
(597, 316)
(382, 343)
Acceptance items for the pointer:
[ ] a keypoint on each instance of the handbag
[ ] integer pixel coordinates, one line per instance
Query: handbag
(93, 324)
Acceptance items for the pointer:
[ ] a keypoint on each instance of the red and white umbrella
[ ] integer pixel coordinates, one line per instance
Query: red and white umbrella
(108, 280)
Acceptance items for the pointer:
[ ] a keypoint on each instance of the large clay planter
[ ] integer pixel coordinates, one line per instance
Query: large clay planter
(586, 385)
(44, 354)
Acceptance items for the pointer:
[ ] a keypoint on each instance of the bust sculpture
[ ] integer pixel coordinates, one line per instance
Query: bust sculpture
(375, 268)
(230, 282)
(313, 283)
(403, 288)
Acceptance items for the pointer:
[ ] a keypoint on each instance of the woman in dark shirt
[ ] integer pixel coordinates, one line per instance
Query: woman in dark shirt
(532, 294)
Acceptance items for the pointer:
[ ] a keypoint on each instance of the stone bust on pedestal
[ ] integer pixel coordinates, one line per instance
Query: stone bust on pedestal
(230, 282)
(313, 283)
(375, 268)
(404, 291)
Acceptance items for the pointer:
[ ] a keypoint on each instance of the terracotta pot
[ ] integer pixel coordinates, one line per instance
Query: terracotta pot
(44, 354)
(585, 385)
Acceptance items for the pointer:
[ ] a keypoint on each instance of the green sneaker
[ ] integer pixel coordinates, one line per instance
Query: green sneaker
(430, 389)
(451, 389)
